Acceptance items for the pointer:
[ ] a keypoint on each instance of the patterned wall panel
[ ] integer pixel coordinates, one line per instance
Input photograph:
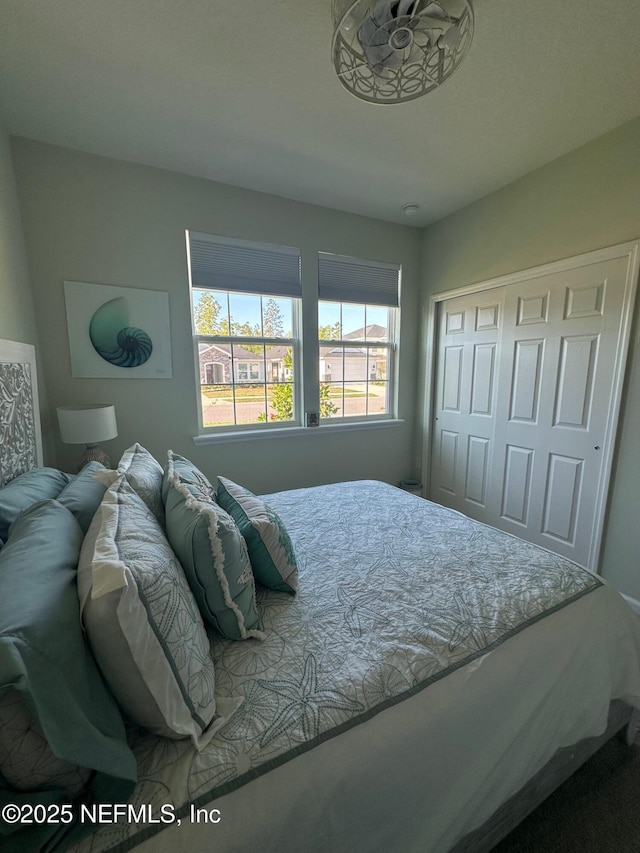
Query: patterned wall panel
(20, 440)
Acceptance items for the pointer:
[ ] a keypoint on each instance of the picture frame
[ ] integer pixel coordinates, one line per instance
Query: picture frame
(117, 332)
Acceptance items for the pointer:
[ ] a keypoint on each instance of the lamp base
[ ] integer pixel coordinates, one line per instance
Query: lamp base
(94, 453)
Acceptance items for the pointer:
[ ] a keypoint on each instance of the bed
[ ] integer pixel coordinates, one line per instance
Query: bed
(411, 694)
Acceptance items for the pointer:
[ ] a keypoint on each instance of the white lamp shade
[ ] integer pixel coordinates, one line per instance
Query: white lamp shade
(87, 424)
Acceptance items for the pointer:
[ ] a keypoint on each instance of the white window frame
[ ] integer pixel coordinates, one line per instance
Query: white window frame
(251, 288)
(370, 282)
(346, 280)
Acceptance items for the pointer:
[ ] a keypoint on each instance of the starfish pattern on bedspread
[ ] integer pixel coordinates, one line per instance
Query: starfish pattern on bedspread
(469, 628)
(394, 593)
(305, 701)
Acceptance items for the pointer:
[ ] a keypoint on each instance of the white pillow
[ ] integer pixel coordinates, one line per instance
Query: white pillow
(144, 474)
(142, 620)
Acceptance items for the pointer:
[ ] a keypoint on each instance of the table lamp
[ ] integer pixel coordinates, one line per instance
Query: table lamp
(88, 425)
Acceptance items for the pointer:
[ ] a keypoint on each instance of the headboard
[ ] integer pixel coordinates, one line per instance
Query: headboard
(20, 436)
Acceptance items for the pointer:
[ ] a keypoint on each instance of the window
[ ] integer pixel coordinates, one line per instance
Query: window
(357, 325)
(245, 300)
(248, 372)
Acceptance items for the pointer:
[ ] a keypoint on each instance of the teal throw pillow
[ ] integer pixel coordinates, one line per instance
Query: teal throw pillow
(273, 559)
(211, 551)
(28, 489)
(83, 495)
(189, 475)
(48, 677)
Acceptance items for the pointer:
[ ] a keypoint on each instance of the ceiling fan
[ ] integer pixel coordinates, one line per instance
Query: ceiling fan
(392, 51)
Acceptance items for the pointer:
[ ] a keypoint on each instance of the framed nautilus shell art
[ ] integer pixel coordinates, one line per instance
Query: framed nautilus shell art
(117, 332)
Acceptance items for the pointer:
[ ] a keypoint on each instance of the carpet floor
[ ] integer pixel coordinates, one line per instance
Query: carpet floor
(597, 810)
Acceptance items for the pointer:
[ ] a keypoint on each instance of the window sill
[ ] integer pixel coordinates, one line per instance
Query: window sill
(289, 432)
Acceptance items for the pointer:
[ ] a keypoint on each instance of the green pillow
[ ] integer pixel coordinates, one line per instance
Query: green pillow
(189, 475)
(270, 550)
(83, 495)
(44, 657)
(25, 490)
(211, 551)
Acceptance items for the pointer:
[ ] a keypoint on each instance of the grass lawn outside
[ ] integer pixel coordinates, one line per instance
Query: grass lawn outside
(220, 409)
(256, 393)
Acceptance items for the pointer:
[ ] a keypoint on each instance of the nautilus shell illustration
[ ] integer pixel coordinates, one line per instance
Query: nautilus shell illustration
(115, 340)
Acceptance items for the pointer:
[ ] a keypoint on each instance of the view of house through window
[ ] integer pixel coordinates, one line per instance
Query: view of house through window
(245, 353)
(355, 353)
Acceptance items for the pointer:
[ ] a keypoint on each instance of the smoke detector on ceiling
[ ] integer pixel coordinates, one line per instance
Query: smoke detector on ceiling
(391, 51)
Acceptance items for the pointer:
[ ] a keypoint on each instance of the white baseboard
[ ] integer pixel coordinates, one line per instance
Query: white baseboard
(632, 602)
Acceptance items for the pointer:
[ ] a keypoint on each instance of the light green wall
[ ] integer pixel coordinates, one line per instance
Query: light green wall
(17, 314)
(586, 200)
(93, 219)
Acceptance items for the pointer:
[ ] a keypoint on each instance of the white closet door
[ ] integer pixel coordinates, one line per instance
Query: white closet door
(525, 383)
(559, 342)
(466, 400)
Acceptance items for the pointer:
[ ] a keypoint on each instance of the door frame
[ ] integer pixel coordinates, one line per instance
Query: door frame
(631, 250)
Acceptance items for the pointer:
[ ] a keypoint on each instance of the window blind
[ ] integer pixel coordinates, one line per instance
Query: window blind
(222, 263)
(344, 279)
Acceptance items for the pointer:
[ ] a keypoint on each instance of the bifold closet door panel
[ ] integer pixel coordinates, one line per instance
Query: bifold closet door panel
(523, 397)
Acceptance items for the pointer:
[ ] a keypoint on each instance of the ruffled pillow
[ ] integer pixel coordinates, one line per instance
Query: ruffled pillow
(211, 550)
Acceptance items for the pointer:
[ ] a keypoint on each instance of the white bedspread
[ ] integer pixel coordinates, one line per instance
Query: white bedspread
(426, 669)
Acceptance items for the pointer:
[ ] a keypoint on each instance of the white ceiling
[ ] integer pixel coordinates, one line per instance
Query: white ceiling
(245, 93)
